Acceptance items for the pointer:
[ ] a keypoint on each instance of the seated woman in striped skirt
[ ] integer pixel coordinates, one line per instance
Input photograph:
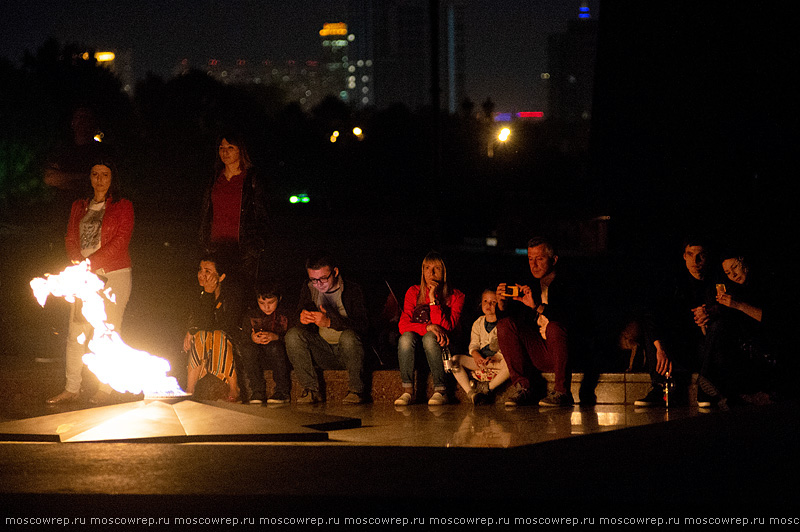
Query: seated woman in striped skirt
(213, 321)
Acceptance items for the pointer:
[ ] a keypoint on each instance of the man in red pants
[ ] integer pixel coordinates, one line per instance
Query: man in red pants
(538, 332)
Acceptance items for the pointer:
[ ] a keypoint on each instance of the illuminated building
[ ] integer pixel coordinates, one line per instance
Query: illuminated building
(300, 81)
(361, 80)
(336, 62)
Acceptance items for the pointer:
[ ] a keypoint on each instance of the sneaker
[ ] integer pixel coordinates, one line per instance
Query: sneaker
(257, 399)
(479, 392)
(557, 399)
(703, 399)
(278, 398)
(403, 400)
(309, 397)
(479, 398)
(352, 398)
(438, 398)
(653, 399)
(480, 387)
(521, 397)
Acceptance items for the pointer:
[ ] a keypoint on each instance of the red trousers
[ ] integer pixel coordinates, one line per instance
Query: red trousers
(520, 342)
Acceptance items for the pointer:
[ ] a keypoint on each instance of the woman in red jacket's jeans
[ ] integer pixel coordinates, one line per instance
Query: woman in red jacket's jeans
(431, 311)
(99, 229)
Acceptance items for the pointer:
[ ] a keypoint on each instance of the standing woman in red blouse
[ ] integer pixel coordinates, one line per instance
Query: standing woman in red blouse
(431, 311)
(100, 230)
(234, 215)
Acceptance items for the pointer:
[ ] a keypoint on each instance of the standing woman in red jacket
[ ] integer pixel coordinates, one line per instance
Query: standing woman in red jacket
(100, 230)
(431, 311)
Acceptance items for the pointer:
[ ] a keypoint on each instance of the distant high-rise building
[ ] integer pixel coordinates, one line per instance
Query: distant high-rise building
(360, 75)
(335, 58)
(571, 58)
(396, 36)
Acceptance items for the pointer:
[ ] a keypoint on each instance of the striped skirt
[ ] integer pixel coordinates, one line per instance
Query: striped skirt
(212, 351)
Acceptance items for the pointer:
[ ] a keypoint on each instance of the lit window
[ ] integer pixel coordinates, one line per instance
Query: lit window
(360, 63)
(365, 100)
(368, 62)
(351, 37)
(351, 68)
(365, 78)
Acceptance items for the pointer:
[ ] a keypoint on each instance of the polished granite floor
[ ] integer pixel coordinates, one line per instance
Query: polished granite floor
(487, 426)
(605, 459)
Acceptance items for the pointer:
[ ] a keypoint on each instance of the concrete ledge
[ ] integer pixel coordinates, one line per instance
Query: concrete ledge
(386, 386)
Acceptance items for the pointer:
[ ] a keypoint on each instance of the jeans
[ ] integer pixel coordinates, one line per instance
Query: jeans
(406, 353)
(256, 358)
(305, 347)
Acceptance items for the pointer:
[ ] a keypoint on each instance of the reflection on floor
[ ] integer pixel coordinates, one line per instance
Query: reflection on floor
(376, 424)
(487, 426)
(428, 461)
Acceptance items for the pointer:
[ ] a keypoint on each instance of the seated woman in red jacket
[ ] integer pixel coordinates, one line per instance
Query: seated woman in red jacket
(100, 229)
(431, 312)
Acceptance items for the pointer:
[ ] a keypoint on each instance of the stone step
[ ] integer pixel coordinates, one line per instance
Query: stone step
(386, 386)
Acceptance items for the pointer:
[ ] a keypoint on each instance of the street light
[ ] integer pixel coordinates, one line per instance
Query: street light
(502, 136)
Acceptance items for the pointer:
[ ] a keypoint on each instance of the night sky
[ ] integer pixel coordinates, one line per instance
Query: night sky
(505, 39)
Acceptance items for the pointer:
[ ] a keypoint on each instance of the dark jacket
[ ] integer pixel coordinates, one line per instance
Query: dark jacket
(252, 218)
(209, 314)
(354, 305)
(567, 302)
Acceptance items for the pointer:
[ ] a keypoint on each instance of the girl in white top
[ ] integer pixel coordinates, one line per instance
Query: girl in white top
(484, 359)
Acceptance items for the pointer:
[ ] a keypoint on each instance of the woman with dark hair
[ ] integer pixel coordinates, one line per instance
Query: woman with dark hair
(431, 311)
(234, 215)
(212, 325)
(99, 229)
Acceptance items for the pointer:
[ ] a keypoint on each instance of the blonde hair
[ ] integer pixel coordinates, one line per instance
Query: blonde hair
(443, 290)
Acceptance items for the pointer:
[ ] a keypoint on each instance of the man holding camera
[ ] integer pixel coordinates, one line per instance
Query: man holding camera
(536, 332)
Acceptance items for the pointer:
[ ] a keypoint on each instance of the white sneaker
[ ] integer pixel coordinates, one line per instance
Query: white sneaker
(403, 400)
(438, 398)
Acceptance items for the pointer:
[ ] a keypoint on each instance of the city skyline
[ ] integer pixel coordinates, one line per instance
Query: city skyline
(505, 53)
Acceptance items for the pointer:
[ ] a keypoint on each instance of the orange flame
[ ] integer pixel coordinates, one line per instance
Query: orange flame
(113, 361)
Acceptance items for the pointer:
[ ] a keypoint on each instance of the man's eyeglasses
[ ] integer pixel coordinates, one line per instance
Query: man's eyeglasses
(320, 280)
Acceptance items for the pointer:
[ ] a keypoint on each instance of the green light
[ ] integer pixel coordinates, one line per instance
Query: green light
(299, 198)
